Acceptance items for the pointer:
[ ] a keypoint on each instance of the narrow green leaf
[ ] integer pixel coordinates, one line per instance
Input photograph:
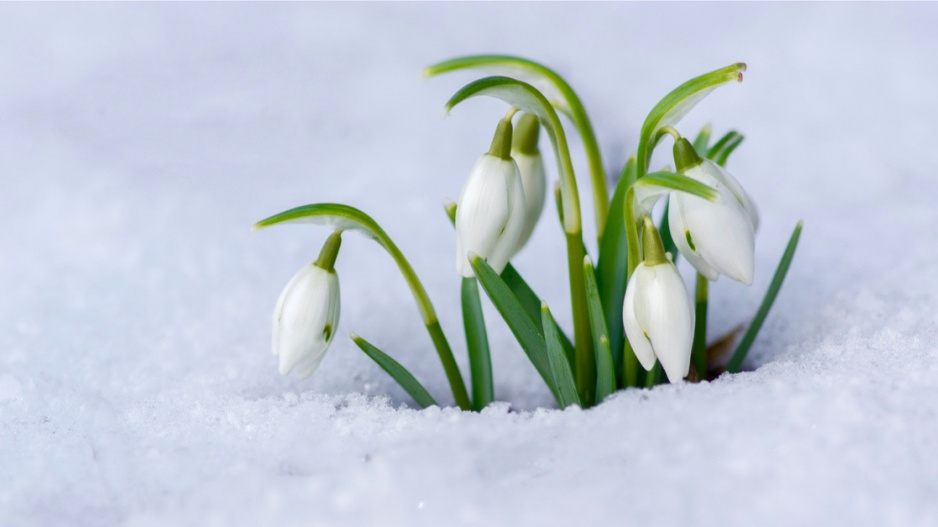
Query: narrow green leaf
(560, 368)
(477, 343)
(523, 96)
(528, 334)
(612, 267)
(722, 149)
(699, 349)
(559, 93)
(408, 382)
(675, 105)
(702, 140)
(740, 354)
(648, 190)
(674, 181)
(724, 154)
(531, 303)
(605, 366)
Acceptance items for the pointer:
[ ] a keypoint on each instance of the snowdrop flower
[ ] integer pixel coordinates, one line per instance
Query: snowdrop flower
(491, 211)
(658, 313)
(525, 152)
(307, 313)
(717, 237)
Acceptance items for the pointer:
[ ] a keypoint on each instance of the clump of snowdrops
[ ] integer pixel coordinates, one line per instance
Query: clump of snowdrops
(635, 324)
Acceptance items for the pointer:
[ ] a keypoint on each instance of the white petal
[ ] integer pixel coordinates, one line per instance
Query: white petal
(722, 234)
(483, 211)
(534, 183)
(310, 311)
(664, 311)
(730, 182)
(680, 234)
(721, 230)
(507, 244)
(278, 309)
(633, 330)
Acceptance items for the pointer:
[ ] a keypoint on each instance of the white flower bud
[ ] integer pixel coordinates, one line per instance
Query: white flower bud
(491, 209)
(659, 319)
(657, 312)
(305, 320)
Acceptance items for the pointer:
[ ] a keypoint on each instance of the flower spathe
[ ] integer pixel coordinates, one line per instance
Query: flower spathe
(491, 209)
(307, 315)
(657, 313)
(717, 237)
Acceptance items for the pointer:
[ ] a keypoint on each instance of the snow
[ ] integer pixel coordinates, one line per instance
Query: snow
(138, 143)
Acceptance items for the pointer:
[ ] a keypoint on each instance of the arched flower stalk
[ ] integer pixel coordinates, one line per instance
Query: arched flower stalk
(344, 217)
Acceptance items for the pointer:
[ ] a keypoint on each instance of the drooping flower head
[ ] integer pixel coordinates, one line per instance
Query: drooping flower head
(491, 209)
(717, 237)
(657, 313)
(307, 313)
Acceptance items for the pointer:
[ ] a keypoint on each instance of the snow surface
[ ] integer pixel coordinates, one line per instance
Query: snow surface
(138, 143)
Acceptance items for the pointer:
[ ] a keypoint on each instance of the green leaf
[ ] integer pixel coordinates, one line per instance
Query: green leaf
(605, 367)
(477, 343)
(559, 366)
(740, 354)
(675, 105)
(525, 97)
(528, 334)
(612, 267)
(722, 149)
(702, 140)
(560, 95)
(532, 303)
(344, 217)
(397, 372)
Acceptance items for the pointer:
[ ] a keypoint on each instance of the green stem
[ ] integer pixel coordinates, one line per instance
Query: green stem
(346, 217)
(591, 145)
(631, 233)
(629, 360)
(651, 379)
(699, 350)
(329, 251)
(583, 342)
